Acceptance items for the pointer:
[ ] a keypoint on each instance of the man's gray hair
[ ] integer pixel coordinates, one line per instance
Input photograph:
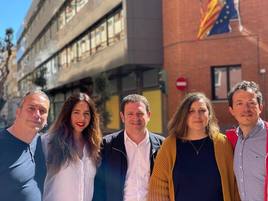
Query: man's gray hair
(29, 93)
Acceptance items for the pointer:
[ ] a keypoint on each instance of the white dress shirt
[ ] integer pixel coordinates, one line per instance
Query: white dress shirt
(138, 172)
(74, 182)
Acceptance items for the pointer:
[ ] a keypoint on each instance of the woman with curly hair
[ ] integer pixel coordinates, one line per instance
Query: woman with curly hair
(72, 147)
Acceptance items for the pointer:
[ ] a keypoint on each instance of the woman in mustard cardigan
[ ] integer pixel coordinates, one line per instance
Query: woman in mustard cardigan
(195, 163)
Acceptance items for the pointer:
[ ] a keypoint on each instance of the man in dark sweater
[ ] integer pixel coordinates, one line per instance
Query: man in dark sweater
(22, 164)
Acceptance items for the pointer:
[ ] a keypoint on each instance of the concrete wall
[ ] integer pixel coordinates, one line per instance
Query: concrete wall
(144, 31)
(142, 43)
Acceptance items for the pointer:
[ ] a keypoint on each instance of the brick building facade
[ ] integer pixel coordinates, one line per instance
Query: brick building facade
(212, 65)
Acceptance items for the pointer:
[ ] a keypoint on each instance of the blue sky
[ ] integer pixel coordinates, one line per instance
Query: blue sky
(12, 13)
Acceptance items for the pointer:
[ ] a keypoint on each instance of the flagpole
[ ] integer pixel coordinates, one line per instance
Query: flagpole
(237, 5)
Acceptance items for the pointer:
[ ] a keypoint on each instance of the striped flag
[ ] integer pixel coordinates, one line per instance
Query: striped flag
(216, 18)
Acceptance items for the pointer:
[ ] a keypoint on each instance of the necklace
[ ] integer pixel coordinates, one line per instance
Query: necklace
(197, 150)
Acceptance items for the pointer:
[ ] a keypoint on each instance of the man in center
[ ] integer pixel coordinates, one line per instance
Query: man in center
(128, 155)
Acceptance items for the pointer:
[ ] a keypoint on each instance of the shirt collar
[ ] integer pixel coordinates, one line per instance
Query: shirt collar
(146, 140)
(255, 131)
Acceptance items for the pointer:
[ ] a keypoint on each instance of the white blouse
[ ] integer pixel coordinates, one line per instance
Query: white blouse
(74, 182)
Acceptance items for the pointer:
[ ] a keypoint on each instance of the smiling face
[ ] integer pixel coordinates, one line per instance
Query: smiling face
(135, 117)
(32, 115)
(80, 117)
(245, 108)
(198, 117)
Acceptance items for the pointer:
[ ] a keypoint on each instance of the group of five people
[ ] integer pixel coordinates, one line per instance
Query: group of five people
(72, 162)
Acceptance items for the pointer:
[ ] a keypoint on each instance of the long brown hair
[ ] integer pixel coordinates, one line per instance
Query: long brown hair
(61, 148)
(178, 123)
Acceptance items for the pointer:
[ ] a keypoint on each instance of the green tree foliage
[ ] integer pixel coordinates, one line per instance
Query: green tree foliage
(101, 85)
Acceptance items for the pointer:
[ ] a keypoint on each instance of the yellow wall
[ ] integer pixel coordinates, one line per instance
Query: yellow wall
(155, 101)
(112, 106)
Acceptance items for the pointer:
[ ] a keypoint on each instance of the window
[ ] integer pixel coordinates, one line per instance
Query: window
(150, 78)
(54, 65)
(223, 79)
(115, 27)
(62, 19)
(101, 36)
(93, 42)
(63, 59)
(129, 82)
(37, 46)
(46, 36)
(80, 4)
(110, 22)
(113, 86)
(83, 47)
(119, 25)
(48, 69)
(98, 38)
(72, 53)
(53, 28)
(80, 46)
(70, 10)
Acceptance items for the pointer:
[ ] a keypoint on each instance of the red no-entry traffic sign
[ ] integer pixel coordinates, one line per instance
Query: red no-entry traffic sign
(181, 83)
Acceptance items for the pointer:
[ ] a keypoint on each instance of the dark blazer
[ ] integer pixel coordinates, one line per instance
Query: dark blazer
(110, 178)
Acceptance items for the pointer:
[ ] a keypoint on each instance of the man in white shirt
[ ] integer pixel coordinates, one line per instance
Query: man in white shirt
(128, 155)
